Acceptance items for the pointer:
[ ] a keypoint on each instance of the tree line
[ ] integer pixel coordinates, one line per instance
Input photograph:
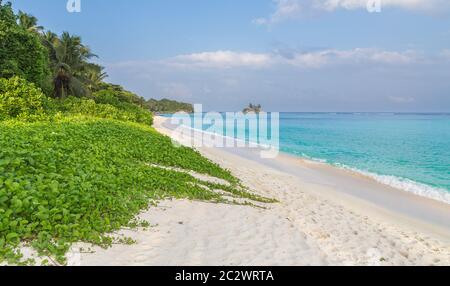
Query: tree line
(60, 65)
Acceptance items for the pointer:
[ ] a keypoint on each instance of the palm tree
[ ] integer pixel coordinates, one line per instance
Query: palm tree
(49, 40)
(62, 82)
(95, 76)
(253, 108)
(69, 59)
(29, 22)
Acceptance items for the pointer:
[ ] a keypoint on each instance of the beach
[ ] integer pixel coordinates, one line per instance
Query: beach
(312, 224)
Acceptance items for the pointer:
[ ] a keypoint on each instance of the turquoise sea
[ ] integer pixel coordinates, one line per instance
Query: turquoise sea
(407, 151)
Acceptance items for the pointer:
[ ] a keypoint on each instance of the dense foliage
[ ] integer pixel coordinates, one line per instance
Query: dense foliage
(21, 51)
(21, 100)
(77, 179)
(168, 106)
(88, 107)
(80, 161)
(115, 94)
(60, 65)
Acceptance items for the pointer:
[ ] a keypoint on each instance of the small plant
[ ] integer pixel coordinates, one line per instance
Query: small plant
(20, 99)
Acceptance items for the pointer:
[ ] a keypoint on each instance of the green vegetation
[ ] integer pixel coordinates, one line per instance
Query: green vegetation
(78, 156)
(21, 52)
(168, 106)
(60, 65)
(68, 173)
(78, 179)
(253, 108)
(115, 95)
(23, 101)
(20, 99)
(77, 106)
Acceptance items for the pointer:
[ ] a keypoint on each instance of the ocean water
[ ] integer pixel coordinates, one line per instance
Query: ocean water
(406, 151)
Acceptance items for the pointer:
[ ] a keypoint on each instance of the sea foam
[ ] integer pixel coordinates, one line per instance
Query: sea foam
(405, 185)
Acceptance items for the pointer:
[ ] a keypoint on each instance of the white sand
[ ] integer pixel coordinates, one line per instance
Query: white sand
(314, 224)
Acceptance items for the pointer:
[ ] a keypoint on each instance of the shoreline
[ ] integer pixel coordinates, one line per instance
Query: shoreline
(435, 194)
(314, 223)
(404, 201)
(432, 193)
(384, 196)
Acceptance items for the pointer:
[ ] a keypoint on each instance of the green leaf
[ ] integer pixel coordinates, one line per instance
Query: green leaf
(12, 237)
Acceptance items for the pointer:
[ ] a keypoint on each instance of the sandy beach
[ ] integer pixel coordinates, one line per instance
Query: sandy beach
(325, 216)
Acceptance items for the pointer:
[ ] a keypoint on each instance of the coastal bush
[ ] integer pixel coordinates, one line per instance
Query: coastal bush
(21, 51)
(88, 107)
(20, 99)
(78, 179)
(124, 101)
(116, 94)
(168, 106)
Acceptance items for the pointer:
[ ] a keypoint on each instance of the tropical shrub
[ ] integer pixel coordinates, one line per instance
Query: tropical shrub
(168, 106)
(20, 99)
(124, 102)
(88, 107)
(113, 94)
(21, 51)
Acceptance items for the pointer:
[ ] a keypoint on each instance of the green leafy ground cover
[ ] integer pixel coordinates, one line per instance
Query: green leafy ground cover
(80, 178)
(78, 158)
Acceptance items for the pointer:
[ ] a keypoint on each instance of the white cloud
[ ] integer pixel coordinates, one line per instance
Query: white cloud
(289, 9)
(220, 59)
(362, 79)
(401, 99)
(419, 5)
(285, 9)
(355, 56)
(314, 59)
(386, 57)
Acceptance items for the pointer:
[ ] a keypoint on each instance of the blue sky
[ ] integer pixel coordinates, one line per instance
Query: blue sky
(289, 55)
